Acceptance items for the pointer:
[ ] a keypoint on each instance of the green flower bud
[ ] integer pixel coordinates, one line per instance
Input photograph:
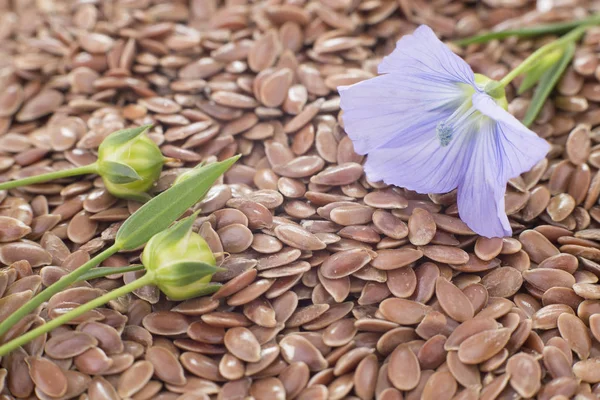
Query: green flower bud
(180, 261)
(129, 163)
(493, 88)
(539, 69)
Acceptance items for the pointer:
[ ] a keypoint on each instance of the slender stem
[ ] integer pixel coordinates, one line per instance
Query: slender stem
(559, 27)
(51, 290)
(86, 169)
(101, 272)
(537, 55)
(100, 301)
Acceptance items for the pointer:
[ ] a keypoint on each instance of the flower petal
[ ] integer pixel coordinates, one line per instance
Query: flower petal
(423, 54)
(502, 149)
(424, 166)
(481, 193)
(519, 147)
(388, 110)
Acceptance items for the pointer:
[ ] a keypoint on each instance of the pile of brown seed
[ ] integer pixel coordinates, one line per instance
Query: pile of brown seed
(336, 287)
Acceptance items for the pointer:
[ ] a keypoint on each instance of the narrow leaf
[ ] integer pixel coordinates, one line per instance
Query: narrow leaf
(159, 212)
(547, 83)
(185, 272)
(209, 288)
(118, 172)
(101, 272)
(539, 30)
(123, 136)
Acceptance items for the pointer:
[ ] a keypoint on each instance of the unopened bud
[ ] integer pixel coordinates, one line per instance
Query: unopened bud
(129, 163)
(180, 261)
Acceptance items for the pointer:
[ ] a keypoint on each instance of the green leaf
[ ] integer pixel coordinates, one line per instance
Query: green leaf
(539, 30)
(117, 172)
(209, 288)
(123, 136)
(159, 212)
(547, 83)
(101, 272)
(184, 273)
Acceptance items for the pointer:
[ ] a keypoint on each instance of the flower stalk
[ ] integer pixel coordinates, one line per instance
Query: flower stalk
(177, 260)
(537, 56)
(128, 162)
(66, 173)
(56, 287)
(6, 348)
(149, 220)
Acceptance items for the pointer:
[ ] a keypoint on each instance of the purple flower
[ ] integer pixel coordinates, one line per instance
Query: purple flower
(431, 125)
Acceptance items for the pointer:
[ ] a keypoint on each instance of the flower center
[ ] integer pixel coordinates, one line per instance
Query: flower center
(445, 130)
(444, 133)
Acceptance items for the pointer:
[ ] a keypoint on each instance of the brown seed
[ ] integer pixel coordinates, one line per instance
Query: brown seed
(242, 344)
(525, 374)
(454, 302)
(166, 323)
(11, 99)
(12, 229)
(441, 385)
(546, 278)
(404, 312)
(468, 329)
(561, 206)
(483, 346)
(268, 388)
(342, 174)
(445, 254)
(43, 103)
(166, 366)
(466, 375)
(587, 370)
(421, 227)
(298, 237)
(537, 246)
(235, 238)
(295, 348)
(578, 144)
(396, 258)
(201, 366)
(344, 263)
(574, 331)
(403, 370)
(135, 378)
(263, 53)
(69, 344)
(274, 88)
(47, 376)
(502, 282)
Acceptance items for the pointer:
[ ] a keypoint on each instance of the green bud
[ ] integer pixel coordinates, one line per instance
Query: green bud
(180, 261)
(493, 88)
(537, 71)
(129, 163)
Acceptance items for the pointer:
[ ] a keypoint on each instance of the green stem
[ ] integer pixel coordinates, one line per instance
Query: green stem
(101, 272)
(86, 169)
(63, 319)
(559, 27)
(51, 290)
(537, 55)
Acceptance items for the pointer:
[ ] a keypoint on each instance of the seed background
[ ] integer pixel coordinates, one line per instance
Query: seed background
(336, 287)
